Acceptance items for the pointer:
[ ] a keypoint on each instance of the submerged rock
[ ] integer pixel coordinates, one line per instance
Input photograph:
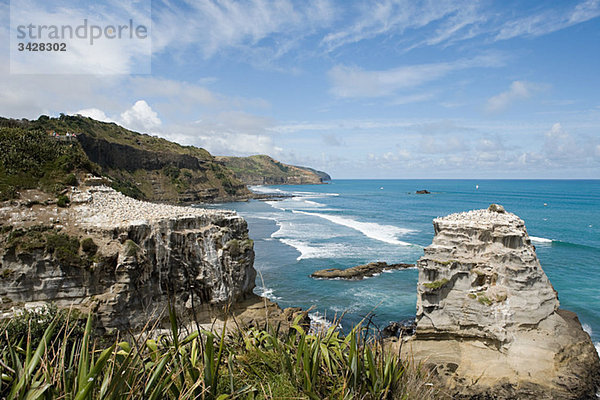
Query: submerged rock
(402, 328)
(359, 272)
(488, 319)
(423, 192)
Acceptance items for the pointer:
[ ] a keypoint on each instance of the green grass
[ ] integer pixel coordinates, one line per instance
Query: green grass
(483, 299)
(437, 284)
(31, 159)
(247, 363)
(62, 247)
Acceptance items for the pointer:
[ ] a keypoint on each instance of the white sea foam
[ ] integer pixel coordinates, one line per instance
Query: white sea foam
(314, 203)
(276, 204)
(322, 250)
(266, 190)
(540, 239)
(296, 229)
(314, 194)
(268, 293)
(597, 345)
(383, 233)
(318, 322)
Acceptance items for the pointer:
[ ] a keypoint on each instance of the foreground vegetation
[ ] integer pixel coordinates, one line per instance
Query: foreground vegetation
(65, 361)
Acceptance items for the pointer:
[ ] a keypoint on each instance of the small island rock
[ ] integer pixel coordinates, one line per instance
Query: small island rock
(359, 272)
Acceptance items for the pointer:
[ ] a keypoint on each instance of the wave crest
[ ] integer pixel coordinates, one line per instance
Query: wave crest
(373, 230)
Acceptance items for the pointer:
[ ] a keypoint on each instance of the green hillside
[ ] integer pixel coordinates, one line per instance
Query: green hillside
(264, 170)
(141, 166)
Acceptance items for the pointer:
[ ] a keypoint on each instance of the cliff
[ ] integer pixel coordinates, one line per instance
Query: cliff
(264, 170)
(141, 166)
(121, 257)
(488, 319)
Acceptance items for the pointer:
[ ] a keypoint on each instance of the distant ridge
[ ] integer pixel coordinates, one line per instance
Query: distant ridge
(264, 170)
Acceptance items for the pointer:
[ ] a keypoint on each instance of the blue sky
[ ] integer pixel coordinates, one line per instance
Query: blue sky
(360, 89)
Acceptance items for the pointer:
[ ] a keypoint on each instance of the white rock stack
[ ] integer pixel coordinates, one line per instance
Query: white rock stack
(481, 278)
(488, 322)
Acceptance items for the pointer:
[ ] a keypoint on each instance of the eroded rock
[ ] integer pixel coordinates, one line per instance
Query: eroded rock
(488, 319)
(146, 254)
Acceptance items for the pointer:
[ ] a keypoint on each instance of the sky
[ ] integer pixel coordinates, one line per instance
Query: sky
(360, 89)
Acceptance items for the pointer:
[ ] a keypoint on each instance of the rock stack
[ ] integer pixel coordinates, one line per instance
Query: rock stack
(488, 320)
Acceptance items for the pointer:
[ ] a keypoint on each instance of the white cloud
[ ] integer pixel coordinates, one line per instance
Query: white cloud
(225, 133)
(331, 140)
(140, 117)
(397, 16)
(216, 26)
(518, 90)
(238, 144)
(549, 21)
(446, 22)
(354, 82)
(443, 145)
(105, 56)
(95, 113)
(412, 98)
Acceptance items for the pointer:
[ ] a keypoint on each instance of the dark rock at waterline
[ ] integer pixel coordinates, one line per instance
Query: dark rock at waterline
(402, 328)
(423, 192)
(359, 272)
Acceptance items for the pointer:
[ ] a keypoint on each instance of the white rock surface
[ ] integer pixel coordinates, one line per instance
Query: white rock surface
(488, 322)
(480, 277)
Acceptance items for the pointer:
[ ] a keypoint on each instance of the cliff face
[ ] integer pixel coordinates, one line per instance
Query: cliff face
(124, 258)
(264, 170)
(488, 320)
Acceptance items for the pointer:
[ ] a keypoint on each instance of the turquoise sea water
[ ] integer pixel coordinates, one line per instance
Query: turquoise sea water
(350, 222)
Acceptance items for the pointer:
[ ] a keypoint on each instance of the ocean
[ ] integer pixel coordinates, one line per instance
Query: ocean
(351, 222)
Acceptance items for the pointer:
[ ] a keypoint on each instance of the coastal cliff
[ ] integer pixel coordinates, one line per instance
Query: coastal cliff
(122, 258)
(488, 320)
(141, 166)
(264, 170)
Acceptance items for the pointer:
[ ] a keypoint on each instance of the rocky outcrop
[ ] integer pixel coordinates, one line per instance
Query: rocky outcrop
(124, 259)
(120, 156)
(488, 319)
(359, 272)
(264, 170)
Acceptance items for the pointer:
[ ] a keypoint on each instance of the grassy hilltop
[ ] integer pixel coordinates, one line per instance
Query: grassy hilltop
(264, 170)
(141, 166)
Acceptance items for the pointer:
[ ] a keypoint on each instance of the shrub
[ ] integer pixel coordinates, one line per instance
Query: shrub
(89, 247)
(71, 180)
(30, 325)
(65, 249)
(483, 299)
(62, 201)
(249, 364)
